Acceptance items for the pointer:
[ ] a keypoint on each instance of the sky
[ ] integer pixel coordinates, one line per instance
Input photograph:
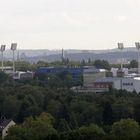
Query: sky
(69, 24)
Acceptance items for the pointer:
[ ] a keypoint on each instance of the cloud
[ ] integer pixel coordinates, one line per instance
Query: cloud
(75, 20)
(133, 3)
(120, 18)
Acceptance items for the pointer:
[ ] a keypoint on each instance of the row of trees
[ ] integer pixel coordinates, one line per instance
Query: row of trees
(24, 65)
(41, 128)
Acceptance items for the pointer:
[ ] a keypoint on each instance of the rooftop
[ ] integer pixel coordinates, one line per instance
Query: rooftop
(3, 123)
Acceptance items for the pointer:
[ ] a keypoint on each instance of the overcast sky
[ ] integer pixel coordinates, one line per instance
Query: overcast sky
(69, 24)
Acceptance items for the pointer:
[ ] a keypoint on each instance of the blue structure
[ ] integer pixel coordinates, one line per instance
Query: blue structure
(76, 73)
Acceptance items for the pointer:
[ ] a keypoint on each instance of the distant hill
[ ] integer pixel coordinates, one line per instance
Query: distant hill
(112, 55)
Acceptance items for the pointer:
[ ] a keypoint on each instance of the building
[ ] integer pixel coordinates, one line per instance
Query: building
(75, 72)
(4, 126)
(104, 84)
(22, 75)
(119, 79)
(95, 80)
(129, 84)
(116, 72)
(90, 74)
(125, 83)
(6, 69)
(133, 70)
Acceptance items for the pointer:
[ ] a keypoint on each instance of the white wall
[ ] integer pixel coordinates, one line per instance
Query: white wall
(117, 84)
(114, 71)
(124, 84)
(5, 130)
(128, 84)
(137, 85)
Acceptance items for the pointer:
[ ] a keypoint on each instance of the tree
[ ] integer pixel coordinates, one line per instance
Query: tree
(23, 66)
(16, 133)
(72, 120)
(42, 64)
(38, 128)
(121, 111)
(10, 107)
(3, 78)
(63, 126)
(83, 62)
(91, 132)
(125, 129)
(107, 114)
(101, 64)
(133, 64)
(137, 110)
(89, 61)
(54, 107)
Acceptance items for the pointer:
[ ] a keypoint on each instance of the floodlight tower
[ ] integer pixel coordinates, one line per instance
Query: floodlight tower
(138, 48)
(121, 47)
(13, 48)
(2, 49)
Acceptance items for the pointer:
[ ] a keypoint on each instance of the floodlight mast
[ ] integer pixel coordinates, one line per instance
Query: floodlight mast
(121, 47)
(2, 49)
(13, 48)
(137, 44)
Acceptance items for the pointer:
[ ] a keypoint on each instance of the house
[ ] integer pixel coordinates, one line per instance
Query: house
(4, 126)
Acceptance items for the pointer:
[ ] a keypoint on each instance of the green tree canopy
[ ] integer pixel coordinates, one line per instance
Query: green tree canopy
(125, 129)
(33, 128)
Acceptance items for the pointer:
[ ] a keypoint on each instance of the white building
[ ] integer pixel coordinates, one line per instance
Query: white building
(125, 83)
(23, 75)
(115, 71)
(137, 84)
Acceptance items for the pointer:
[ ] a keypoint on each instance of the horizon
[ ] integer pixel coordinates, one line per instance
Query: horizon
(37, 49)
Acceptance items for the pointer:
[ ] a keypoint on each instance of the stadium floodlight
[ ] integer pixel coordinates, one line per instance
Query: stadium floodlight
(121, 47)
(13, 48)
(137, 44)
(2, 49)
